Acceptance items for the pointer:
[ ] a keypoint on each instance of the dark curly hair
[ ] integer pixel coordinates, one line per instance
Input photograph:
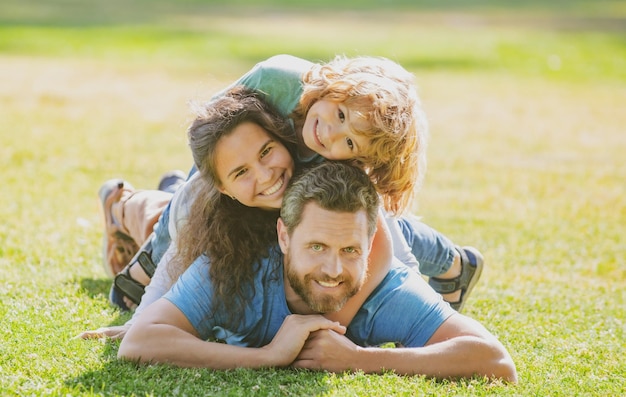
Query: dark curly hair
(233, 236)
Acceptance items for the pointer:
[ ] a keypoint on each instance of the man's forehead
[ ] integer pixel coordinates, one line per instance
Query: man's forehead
(320, 221)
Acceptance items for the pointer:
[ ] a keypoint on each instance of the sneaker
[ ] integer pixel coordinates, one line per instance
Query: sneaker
(170, 181)
(118, 248)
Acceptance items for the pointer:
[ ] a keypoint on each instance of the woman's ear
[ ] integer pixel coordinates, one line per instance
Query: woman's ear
(283, 236)
(224, 191)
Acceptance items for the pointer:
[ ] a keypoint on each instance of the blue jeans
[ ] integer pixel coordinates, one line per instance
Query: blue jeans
(161, 238)
(434, 251)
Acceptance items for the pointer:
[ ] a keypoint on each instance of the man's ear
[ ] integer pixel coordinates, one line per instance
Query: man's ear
(283, 236)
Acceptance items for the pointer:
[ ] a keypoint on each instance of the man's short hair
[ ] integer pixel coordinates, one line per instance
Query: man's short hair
(334, 186)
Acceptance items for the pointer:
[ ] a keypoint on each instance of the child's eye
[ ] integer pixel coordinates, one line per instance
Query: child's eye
(342, 117)
(350, 143)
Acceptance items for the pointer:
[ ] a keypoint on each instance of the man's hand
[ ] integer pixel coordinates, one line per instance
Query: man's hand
(114, 332)
(328, 350)
(293, 335)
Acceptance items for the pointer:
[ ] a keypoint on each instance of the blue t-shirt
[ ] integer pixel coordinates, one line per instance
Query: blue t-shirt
(402, 309)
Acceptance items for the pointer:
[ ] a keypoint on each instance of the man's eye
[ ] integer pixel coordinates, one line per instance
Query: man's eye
(342, 117)
(350, 250)
(316, 247)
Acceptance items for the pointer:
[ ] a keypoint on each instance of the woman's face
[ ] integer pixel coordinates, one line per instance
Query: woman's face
(329, 130)
(252, 167)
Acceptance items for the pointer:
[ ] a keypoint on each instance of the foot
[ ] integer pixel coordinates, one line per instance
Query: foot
(117, 246)
(117, 298)
(459, 287)
(170, 181)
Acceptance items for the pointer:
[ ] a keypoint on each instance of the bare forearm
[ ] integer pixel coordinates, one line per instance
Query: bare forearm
(463, 356)
(160, 343)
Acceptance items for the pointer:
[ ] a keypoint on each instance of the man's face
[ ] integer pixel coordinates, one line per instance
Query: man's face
(326, 256)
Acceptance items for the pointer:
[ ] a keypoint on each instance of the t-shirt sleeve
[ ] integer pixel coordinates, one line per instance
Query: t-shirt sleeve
(180, 206)
(193, 295)
(278, 78)
(401, 249)
(403, 309)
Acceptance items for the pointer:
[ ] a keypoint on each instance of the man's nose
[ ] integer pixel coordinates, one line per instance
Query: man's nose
(332, 267)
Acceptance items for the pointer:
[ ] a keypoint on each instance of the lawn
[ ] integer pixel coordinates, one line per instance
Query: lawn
(526, 162)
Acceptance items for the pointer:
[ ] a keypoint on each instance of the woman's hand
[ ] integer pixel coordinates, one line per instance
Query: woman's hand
(113, 332)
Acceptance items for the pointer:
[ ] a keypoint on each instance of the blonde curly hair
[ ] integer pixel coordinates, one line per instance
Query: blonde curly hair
(384, 94)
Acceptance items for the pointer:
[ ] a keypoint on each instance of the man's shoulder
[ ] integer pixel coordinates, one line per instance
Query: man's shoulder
(402, 309)
(403, 286)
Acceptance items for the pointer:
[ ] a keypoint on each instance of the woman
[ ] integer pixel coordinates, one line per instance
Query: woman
(244, 169)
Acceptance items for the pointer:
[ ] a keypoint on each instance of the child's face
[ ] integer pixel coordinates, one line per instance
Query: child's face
(252, 167)
(329, 130)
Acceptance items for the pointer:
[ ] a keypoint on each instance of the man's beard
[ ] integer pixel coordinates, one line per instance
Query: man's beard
(321, 303)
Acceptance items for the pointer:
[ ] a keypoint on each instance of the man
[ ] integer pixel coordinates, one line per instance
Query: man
(325, 233)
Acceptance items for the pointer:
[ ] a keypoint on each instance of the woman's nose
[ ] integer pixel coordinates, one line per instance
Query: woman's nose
(263, 174)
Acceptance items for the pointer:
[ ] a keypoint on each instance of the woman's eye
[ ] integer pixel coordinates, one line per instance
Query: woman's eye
(266, 152)
(240, 172)
(342, 117)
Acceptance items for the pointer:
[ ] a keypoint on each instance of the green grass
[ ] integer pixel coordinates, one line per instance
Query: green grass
(526, 162)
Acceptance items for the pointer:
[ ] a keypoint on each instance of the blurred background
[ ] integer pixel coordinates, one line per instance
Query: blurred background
(525, 101)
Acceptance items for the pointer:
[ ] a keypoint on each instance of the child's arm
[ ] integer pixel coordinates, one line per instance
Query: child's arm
(379, 264)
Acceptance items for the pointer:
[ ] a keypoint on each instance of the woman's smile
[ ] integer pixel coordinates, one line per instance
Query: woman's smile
(276, 187)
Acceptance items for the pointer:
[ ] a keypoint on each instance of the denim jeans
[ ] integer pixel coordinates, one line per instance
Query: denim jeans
(161, 238)
(434, 251)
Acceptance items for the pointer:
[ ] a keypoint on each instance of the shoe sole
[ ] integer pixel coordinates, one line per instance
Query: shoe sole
(480, 264)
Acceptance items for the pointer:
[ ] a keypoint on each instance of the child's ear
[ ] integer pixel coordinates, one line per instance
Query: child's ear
(283, 236)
